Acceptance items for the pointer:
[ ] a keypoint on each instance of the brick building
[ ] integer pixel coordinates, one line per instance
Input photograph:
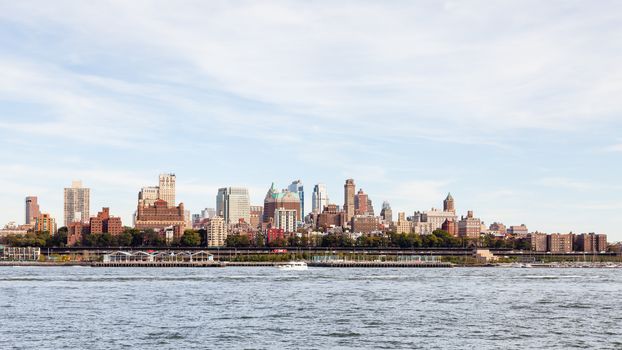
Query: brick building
(160, 216)
(560, 243)
(364, 224)
(331, 216)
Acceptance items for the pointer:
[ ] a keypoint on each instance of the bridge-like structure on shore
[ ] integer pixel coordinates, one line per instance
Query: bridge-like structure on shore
(224, 253)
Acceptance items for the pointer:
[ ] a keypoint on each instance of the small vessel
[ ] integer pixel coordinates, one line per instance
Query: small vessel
(293, 266)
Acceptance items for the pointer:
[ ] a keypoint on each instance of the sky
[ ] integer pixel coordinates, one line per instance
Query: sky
(512, 106)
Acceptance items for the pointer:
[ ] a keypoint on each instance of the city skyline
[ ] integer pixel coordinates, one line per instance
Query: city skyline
(521, 126)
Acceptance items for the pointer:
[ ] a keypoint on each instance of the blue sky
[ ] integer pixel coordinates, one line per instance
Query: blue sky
(512, 106)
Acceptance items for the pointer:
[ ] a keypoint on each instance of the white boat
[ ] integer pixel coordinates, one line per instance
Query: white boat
(293, 266)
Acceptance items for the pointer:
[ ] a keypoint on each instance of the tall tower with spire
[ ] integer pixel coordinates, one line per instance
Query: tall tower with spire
(448, 204)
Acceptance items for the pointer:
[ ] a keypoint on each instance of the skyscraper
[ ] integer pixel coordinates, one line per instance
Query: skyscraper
(360, 203)
(348, 199)
(233, 204)
(32, 210)
(320, 198)
(77, 200)
(167, 189)
(297, 187)
(280, 199)
(386, 213)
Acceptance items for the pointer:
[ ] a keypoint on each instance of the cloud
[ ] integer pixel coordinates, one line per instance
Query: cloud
(614, 148)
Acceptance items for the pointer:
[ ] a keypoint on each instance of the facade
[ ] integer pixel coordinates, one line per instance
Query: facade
(538, 242)
(518, 230)
(402, 225)
(435, 217)
(591, 242)
(450, 226)
(166, 191)
(104, 223)
(360, 203)
(297, 187)
(348, 199)
(448, 204)
(32, 210)
(216, 232)
(469, 226)
(280, 199)
(497, 227)
(45, 223)
(160, 216)
(320, 198)
(559, 243)
(77, 199)
(364, 224)
(148, 195)
(233, 204)
(256, 213)
(331, 216)
(386, 213)
(285, 219)
(75, 232)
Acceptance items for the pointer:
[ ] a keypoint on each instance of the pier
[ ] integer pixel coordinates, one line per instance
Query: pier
(381, 264)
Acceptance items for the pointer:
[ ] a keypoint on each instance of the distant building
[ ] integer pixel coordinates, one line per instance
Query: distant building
(167, 189)
(256, 213)
(518, 230)
(364, 224)
(160, 216)
(538, 242)
(590, 242)
(233, 204)
(148, 195)
(45, 223)
(386, 213)
(331, 216)
(32, 210)
(297, 187)
(450, 226)
(216, 232)
(348, 199)
(280, 199)
(469, 226)
(208, 213)
(559, 243)
(402, 225)
(497, 227)
(285, 219)
(448, 204)
(320, 198)
(77, 200)
(104, 223)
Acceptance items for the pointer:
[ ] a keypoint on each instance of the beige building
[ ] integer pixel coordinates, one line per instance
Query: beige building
(77, 200)
(285, 219)
(216, 232)
(233, 204)
(148, 196)
(45, 223)
(167, 189)
(402, 225)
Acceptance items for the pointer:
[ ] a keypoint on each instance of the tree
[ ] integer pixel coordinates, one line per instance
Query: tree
(190, 238)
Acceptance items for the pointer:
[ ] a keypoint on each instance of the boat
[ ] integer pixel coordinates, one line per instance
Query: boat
(293, 266)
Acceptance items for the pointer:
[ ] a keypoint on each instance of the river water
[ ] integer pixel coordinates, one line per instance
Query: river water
(264, 308)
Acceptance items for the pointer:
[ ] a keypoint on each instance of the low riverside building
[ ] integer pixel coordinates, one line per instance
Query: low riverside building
(20, 253)
(590, 242)
(538, 242)
(559, 243)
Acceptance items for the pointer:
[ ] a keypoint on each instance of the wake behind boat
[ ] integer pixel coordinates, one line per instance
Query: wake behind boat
(293, 266)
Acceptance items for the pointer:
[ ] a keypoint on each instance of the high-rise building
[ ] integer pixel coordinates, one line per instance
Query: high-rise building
(320, 198)
(233, 204)
(448, 204)
(77, 203)
(167, 189)
(32, 210)
(360, 203)
(386, 213)
(160, 216)
(280, 199)
(216, 232)
(297, 187)
(348, 199)
(285, 219)
(45, 223)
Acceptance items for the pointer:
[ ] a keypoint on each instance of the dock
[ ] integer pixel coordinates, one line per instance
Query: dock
(382, 264)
